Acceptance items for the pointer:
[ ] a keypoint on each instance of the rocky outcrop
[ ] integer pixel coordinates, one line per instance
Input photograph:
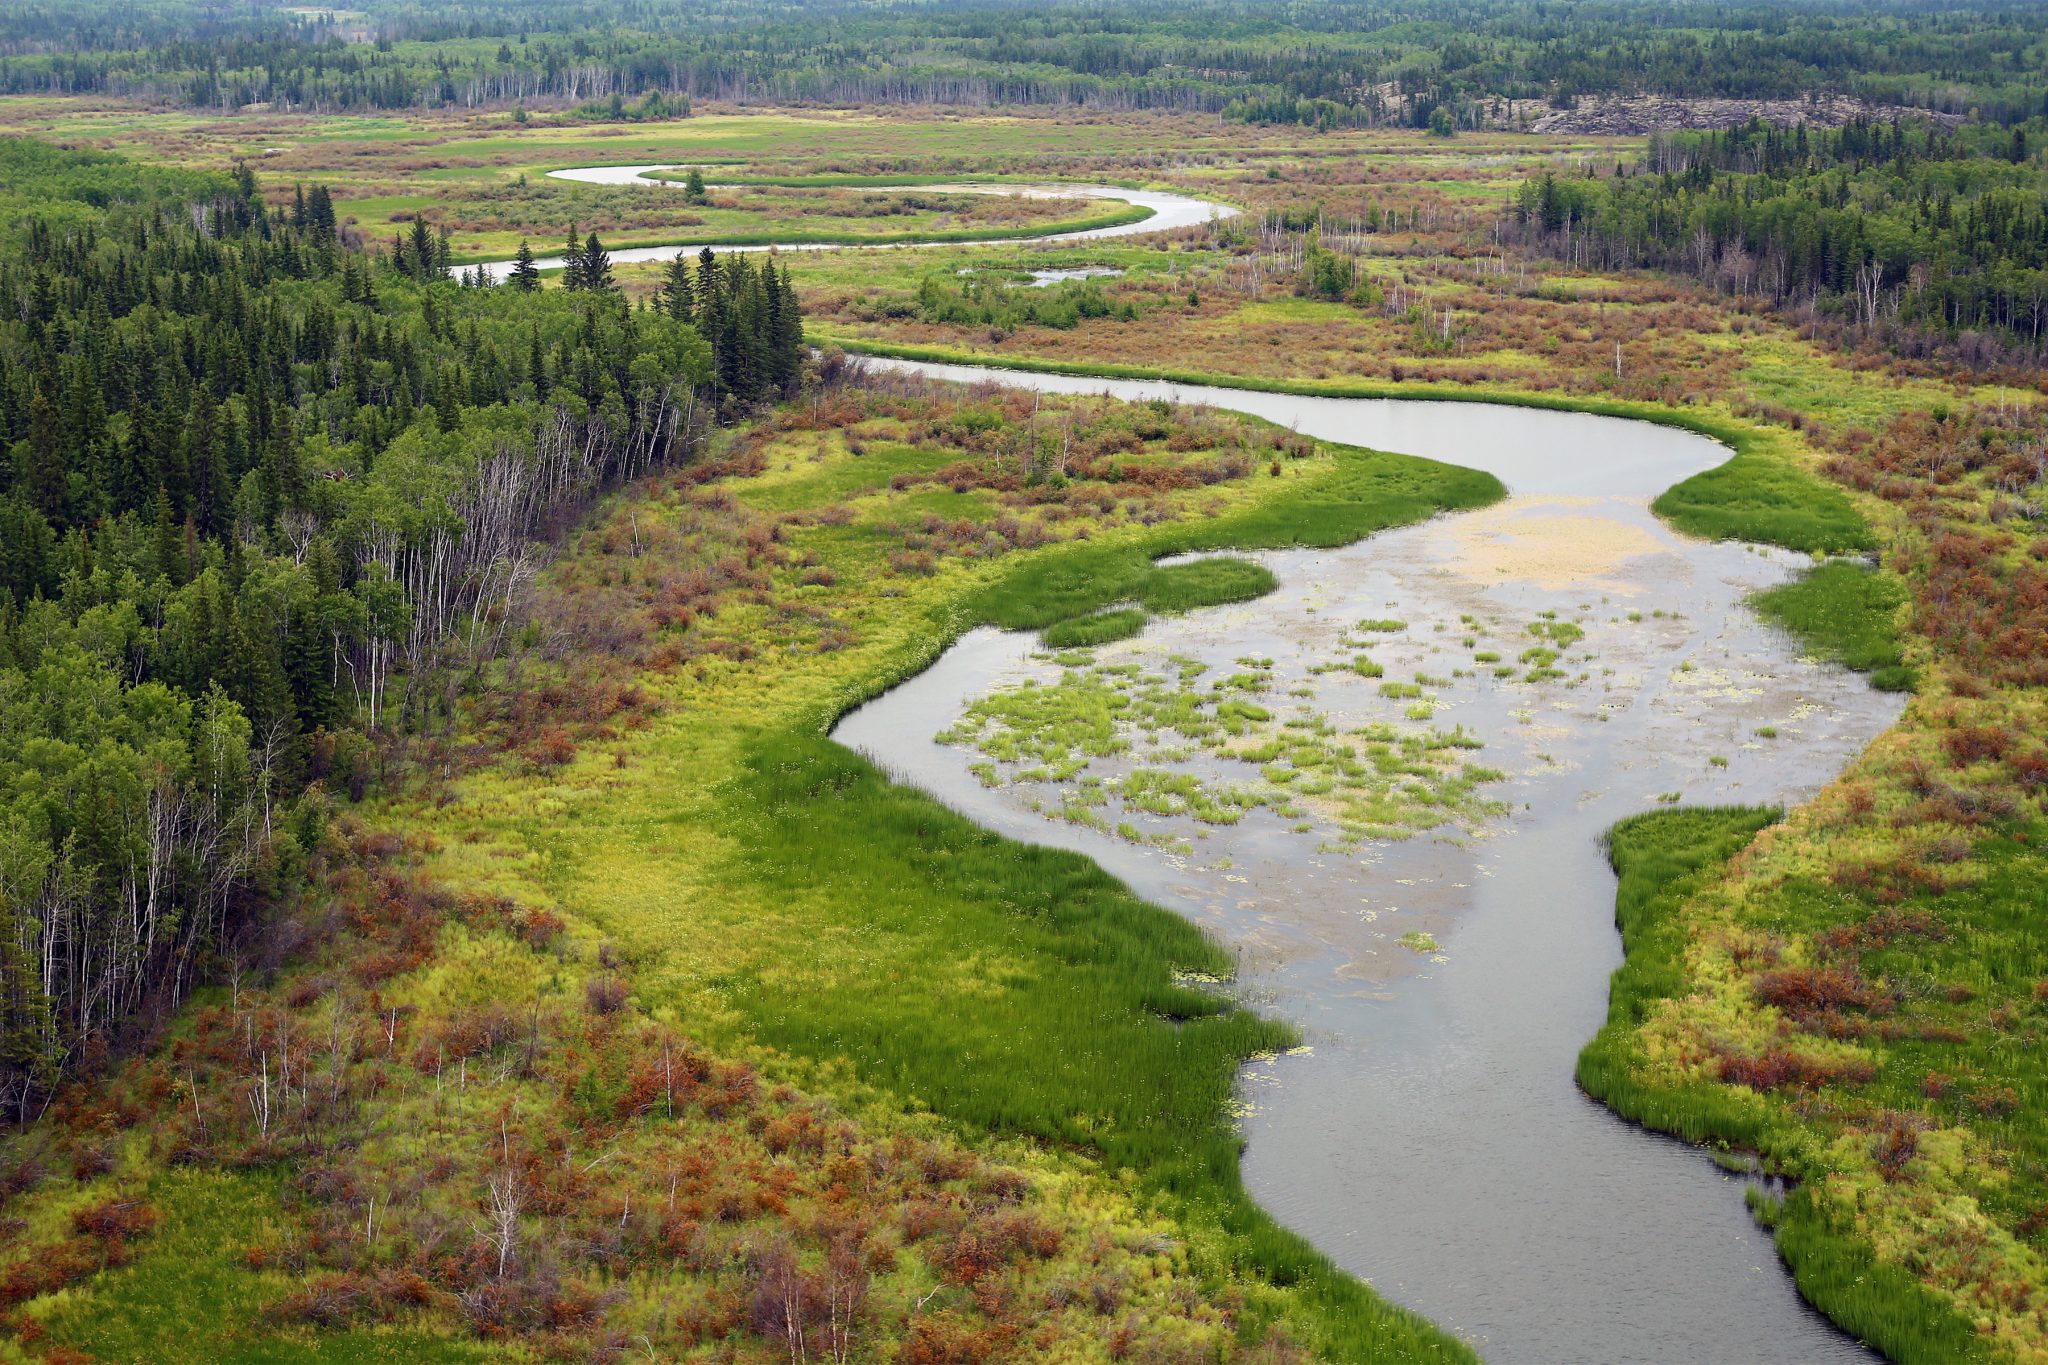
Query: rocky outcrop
(1633, 115)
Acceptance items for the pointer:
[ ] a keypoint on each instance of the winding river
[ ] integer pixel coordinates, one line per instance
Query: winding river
(1166, 211)
(1429, 1137)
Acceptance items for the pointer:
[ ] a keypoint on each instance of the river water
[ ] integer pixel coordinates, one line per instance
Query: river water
(1166, 212)
(1429, 1136)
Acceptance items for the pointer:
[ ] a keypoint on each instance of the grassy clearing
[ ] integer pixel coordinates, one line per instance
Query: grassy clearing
(1849, 613)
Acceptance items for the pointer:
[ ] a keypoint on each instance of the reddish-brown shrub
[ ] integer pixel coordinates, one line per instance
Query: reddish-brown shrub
(1976, 743)
(604, 995)
(1803, 991)
(1779, 1069)
(1895, 1145)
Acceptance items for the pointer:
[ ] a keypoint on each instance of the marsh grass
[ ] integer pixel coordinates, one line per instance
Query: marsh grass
(1769, 499)
(1662, 859)
(1085, 1036)
(1099, 629)
(1846, 612)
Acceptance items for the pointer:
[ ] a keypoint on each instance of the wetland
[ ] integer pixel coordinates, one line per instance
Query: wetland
(1384, 786)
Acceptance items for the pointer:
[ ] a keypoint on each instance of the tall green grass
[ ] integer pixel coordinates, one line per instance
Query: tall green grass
(1768, 500)
(1166, 590)
(1098, 629)
(1079, 1034)
(1846, 612)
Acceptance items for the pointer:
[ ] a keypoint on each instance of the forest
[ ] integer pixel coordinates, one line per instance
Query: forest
(267, 498)
(1904, 231)
(1352, 63)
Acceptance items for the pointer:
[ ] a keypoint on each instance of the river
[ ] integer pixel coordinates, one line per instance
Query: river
(1166, 211)
(1430, 1136)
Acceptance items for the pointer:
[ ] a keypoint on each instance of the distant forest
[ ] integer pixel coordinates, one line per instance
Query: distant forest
(1917, 233)
(1336, 62)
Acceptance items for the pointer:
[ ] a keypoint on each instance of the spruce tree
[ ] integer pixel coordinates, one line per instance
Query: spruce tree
(420, 255)
(572, 261)
(597, 265)
(48, 485)
(524, 276)
(320, 216)
(675, 290)
(788, 343)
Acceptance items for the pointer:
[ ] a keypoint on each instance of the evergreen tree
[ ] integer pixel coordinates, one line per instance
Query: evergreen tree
(420, 256)
(47, 483)
(524, 276)
(572, 261)
(787, 344)
(320, 216)
(675, 290)
(597, 266)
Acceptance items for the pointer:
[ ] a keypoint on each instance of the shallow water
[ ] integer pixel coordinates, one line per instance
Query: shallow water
(1045, 279)
(1429, 1137)
(1167, 211)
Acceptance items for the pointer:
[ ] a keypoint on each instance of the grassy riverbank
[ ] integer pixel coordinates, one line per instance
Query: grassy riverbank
(783, 894)
(1856, 995)
(1662, 860)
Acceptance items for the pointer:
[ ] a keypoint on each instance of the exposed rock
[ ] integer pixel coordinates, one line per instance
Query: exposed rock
(1632, 115)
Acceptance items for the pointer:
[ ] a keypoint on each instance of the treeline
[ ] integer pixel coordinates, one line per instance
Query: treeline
(267, 500)
(1912, 231)
(1338, 63)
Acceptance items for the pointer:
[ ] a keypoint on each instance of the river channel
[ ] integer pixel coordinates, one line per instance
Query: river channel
(1429, 1135)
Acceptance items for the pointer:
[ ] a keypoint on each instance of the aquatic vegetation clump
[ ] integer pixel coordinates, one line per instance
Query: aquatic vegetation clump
(1211, 754)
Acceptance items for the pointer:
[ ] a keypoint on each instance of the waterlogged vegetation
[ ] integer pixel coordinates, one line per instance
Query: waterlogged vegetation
(1121, 741)
(1848, 612)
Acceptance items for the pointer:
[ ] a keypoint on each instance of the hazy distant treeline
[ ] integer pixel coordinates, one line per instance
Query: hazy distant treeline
(1336, 62)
